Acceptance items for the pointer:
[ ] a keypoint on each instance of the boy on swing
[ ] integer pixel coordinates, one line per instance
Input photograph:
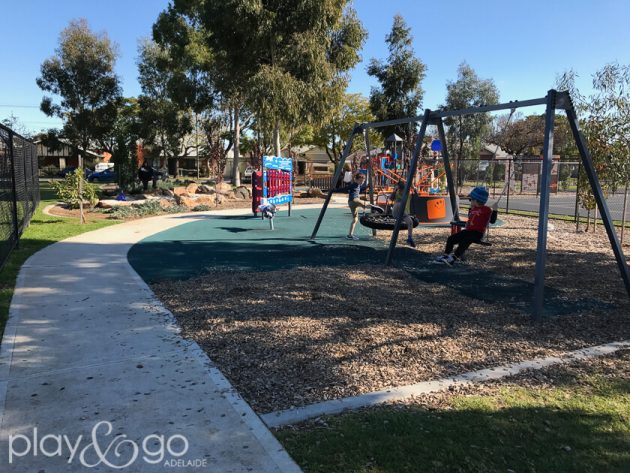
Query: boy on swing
(478, 219)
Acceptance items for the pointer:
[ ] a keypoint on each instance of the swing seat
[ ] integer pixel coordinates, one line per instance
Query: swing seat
(384, 222)
(461, 224)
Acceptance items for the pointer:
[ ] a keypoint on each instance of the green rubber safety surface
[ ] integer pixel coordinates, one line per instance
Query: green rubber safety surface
(247, 243)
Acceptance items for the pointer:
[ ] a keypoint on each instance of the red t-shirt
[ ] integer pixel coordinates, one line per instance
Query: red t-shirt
(478, 218)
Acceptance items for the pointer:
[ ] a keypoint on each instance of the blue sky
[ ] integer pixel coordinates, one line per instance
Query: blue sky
(521, 45)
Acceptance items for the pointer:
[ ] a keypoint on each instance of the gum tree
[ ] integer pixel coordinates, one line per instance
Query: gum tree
(466, 133)
(400, 77)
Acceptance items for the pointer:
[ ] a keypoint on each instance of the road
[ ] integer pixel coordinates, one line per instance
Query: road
(564, 204)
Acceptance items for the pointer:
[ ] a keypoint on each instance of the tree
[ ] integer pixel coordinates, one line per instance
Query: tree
(122, 142)
(605, 122)
(164, 124)
(295, 55)
(332, 136)
(466, 133)
(400, 92)
(82, 73)
(16, 125)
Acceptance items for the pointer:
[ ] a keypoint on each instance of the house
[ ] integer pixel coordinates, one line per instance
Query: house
(51, 160)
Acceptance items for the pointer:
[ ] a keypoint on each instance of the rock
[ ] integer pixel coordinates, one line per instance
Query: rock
(316, 192)
(192, 188)
(167, 203)
(198, 199)
(219, 199)
(242, 193)
(230, 195)
(223, 187)
(179, 191)
(111, 203)
(167, 193)
(205, 189)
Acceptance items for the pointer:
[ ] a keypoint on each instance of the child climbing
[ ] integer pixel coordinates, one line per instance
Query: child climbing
(396, 197)
(478, 219)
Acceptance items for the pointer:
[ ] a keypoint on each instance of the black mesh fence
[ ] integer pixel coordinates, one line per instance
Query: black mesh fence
(19, 189)
(516, 182)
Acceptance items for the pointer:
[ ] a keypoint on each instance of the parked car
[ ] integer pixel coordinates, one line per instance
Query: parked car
(65, 171)
(107, 175)
(247, 175)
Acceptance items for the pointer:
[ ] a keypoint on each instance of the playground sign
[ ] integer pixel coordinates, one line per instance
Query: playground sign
(277, 180)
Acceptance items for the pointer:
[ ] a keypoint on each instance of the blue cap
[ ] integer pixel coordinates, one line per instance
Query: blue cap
(480, 194)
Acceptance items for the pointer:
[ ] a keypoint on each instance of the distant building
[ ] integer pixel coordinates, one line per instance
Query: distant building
(51, 160)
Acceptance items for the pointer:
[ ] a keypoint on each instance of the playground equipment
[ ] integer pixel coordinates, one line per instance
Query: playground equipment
(272, 185)
(429, 194)
(552, 101)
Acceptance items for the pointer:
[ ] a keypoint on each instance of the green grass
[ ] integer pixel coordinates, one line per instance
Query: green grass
(581, 427)
(42, 231)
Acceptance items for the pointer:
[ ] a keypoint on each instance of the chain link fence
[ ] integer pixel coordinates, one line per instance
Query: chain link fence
(516, 182)
(19, 191)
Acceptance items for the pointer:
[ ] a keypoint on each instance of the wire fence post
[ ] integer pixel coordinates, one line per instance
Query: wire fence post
(16, 225)
(507, 201)
(623, 213)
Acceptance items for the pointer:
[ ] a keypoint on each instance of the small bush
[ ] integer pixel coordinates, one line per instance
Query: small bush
(68, 190)
(146, 209)
(201, 208)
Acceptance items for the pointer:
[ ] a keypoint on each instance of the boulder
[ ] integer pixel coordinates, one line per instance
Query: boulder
(179, 191)
(111, 203)
(167, 193)
(205, 189)
(167, 203)
(316, 192)
(242, 193)
(229, 195)
(219, 199)
(192, 188)
(223, 187)
(199, 199)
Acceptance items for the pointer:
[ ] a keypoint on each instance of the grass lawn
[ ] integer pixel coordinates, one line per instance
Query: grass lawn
(42, 231)
(576, 419)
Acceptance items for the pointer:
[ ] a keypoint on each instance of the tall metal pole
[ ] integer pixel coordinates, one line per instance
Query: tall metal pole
(449, 172)
(599, 197)
(507, 199)
(543, 213)
(370, 170)
(342, 160)
(16, 225)
(412, 170)
(623, 215)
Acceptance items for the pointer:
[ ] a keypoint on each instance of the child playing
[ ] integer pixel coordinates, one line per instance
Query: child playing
(396, 197)
(354, 190)
(478, 219)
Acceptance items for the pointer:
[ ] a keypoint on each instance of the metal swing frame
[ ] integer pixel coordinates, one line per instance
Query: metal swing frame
(553, 101)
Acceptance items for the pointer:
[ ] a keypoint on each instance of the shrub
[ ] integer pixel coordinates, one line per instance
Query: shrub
(68, 190)
(201, 208)
(146, 209)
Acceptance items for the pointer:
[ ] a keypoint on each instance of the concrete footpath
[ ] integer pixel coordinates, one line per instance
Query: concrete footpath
(94, 375)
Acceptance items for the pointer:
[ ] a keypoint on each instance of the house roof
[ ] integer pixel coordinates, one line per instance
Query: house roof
(65, 142)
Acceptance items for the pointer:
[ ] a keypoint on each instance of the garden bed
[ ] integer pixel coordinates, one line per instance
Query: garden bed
(304, 335)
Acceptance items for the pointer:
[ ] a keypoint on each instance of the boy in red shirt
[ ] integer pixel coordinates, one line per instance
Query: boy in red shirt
(478, 219)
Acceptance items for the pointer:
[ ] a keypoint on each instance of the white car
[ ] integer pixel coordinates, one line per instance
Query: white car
(247, 175)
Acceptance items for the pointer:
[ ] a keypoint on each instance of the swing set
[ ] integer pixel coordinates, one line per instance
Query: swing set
(553, 100)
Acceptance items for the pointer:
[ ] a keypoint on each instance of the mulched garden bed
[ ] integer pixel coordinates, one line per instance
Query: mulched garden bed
(305, 335)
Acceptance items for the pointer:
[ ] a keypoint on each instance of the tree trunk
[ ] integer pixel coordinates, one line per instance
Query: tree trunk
(276, 138)
(236, 175)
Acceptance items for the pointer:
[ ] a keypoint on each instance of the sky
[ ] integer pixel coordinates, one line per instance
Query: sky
(521, 45)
